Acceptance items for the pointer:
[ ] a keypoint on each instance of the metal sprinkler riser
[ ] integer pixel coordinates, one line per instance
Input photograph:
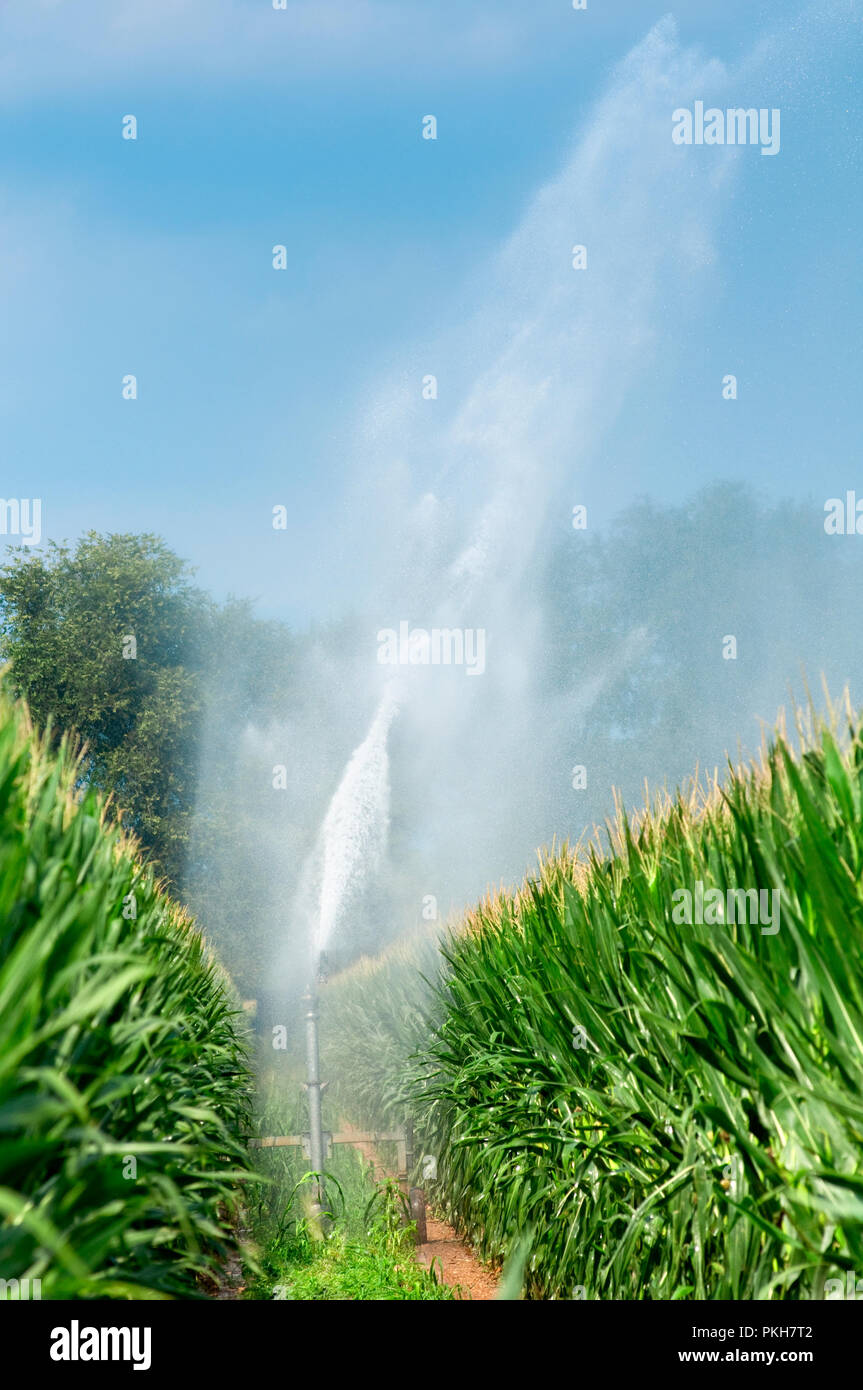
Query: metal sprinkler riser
(313, 1090)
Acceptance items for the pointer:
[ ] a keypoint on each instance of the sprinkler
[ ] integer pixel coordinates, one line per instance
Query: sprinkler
(314, 1086)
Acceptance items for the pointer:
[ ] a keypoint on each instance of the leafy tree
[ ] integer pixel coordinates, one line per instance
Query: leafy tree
(645, 606)
(106, 640)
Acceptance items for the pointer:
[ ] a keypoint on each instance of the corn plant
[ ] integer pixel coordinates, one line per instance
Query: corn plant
(660, 1108)
(123, 1076)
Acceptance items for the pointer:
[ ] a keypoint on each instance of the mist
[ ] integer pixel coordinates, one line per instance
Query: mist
(351, 789)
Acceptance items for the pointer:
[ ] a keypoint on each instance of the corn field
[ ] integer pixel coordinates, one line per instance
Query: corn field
(648, 1108)
(124, 1087)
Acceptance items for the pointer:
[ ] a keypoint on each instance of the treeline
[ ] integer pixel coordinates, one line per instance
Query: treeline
(112, 643)
(220, 737)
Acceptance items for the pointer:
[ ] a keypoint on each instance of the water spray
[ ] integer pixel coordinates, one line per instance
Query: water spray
(349, 848)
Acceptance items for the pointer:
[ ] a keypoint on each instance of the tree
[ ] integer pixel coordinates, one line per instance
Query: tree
(645, 608)
(106, 640)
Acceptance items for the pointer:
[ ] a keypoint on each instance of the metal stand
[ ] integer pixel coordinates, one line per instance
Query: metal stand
(313, 1089)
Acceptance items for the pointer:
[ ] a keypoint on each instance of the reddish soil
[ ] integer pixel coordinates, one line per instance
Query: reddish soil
(456, 1264)
(368, 1151)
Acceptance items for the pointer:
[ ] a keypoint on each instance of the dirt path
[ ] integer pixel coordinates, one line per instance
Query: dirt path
(456, 1264)
(232, 1284)
(454, 1260)
(229, 1285)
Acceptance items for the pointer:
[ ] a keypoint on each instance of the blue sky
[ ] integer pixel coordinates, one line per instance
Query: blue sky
(302, 127)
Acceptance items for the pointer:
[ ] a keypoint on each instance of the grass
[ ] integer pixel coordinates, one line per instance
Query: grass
(124, 1084)
(368, 1254)
(371, 1264)
(647, 1109)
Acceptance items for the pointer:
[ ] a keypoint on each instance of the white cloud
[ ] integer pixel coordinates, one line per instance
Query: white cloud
(49, 46)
